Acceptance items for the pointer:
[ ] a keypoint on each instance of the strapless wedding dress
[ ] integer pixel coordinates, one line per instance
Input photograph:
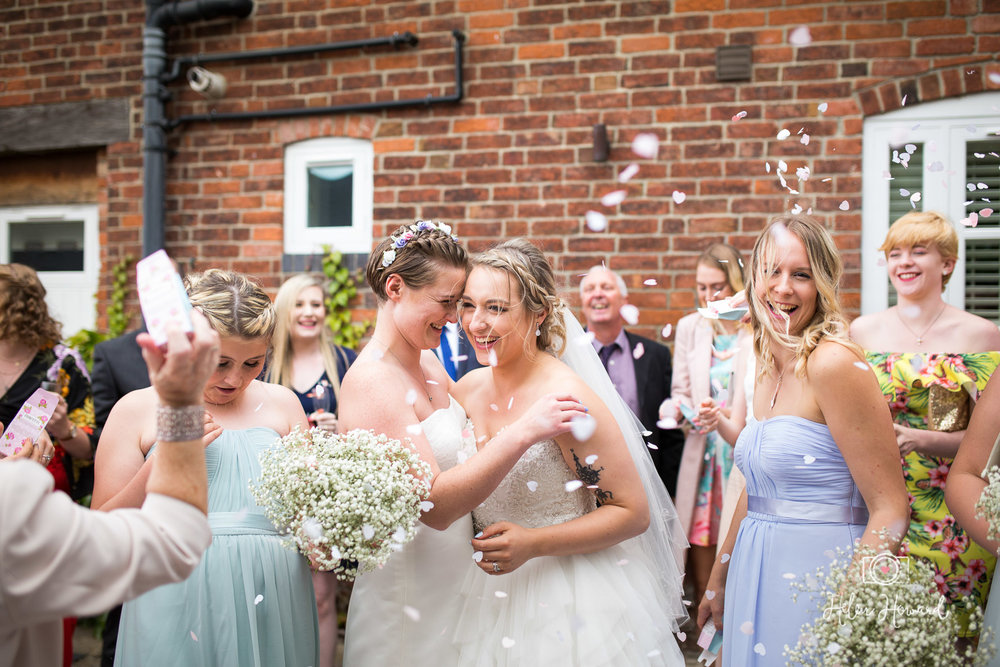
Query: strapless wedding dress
(406, 612)
(600, 608)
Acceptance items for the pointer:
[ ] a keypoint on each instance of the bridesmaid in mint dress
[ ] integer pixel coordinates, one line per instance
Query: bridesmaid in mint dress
(250, 601)
(819, 458)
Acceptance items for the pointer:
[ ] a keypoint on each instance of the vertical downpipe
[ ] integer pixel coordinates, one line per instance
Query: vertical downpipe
(154, 140)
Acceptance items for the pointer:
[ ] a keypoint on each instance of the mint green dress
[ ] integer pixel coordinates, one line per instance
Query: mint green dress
(249, 603)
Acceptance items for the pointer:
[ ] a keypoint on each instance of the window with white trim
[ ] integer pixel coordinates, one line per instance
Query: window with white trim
(329, 194)
(941, 156)
(61, 244)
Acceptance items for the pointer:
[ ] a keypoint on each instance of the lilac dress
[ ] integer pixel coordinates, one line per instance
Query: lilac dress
(802, 505)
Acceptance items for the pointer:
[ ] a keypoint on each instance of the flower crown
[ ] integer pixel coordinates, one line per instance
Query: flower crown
(398, 242)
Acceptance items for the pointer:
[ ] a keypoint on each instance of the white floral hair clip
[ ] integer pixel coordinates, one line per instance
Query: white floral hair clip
(398, 242)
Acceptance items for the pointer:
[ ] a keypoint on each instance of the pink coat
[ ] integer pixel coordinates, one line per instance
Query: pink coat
(690, 385)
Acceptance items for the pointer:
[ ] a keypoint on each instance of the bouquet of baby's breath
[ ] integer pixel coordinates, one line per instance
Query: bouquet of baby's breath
(346, 500)
(878, 609)
(988, 505)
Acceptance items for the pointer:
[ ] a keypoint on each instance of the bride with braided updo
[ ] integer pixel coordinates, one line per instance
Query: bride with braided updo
(578, 549)
(407, 612)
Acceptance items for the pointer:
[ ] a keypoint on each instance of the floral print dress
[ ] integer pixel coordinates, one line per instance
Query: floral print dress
(718, 454)
(963, 569)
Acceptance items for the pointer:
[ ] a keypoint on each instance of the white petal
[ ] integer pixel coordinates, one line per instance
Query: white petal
(582, 427)
(646, 145)
(628, 172)
(800, 36)
(629, 313)
(414, 614)
(679, 196)
(596, 222)
(784, 134)
(613, 198)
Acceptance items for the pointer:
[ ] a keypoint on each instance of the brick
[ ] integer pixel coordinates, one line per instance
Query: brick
(650, 43)
(913, 8)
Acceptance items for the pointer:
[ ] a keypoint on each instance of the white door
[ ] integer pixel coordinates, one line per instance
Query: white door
(61, 244)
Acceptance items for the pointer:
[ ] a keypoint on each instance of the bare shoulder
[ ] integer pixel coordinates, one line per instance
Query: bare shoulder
(278, 394)
(470, 385)
(978, 333)
(865, 329)
(135, 405)
(832, 362)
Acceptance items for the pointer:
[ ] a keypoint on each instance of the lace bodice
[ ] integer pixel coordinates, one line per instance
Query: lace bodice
(533, 494)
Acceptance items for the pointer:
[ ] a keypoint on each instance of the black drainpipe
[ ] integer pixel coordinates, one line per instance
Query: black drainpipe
(160, 16)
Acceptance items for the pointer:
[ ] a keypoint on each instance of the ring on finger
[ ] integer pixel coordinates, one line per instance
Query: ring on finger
(496, 566)
(47, 458)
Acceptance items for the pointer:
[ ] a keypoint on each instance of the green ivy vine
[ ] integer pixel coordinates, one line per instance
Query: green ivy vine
(341, 288)
(84, 340)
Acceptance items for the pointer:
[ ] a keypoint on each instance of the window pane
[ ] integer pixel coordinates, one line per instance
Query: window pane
(982, 278)
(906, 169)
(982, 176)
(47, 246)
(330, 196)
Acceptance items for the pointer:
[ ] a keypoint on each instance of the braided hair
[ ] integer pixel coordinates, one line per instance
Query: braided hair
(414, 253)
(235, 306)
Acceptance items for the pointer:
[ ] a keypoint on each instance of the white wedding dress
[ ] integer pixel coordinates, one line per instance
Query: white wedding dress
(406, 612)
(601, 608)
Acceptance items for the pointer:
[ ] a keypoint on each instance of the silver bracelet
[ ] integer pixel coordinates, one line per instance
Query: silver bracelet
(180, 424)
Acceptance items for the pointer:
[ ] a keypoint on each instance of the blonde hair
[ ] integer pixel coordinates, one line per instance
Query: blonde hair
(923, 228)
(828, 321)
(280, 369)
(235, 306)
(417, 260)
(727, 259)
(533, 273)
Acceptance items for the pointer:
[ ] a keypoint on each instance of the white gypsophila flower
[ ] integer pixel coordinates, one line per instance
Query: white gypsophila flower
(988, 505)
(877, 609)
(347, 501)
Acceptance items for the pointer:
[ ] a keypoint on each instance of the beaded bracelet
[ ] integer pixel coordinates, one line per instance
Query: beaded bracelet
(182, 424)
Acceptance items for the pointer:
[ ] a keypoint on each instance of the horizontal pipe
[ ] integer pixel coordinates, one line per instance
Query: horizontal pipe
(396, 39)
(189, 11)
(343, 108)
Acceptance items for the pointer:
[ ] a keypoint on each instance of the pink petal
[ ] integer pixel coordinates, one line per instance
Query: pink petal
(985, 213)
(971, 221)
(800, 36)
(742, 114)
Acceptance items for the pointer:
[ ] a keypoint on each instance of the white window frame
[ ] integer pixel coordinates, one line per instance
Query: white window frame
(79, 287)
(943, 128)
(299, 157)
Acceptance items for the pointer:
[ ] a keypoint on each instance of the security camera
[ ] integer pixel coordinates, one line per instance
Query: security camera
(209, 84)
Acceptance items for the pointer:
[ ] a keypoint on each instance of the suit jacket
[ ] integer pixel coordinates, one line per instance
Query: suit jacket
(118, 369)
(653, 376)
(691, 385)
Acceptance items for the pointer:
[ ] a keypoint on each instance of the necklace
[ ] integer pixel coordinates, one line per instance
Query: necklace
(920, 337)
(408, 372)
(777, 387)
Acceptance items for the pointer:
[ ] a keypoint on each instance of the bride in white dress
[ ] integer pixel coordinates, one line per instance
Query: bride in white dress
(406, 612)
(580, 544)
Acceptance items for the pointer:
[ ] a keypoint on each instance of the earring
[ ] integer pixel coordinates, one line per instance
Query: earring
(538, 331)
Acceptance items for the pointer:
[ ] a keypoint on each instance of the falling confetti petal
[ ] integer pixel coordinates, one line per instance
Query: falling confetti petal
(573, 485)
(584, 339)
(709, 595)
(638, 351)
(800, 36)
(590, 459)
(667, 423)
(500, 594)
(985, 213)
(862, 365)
(414, 614)
(747, 628)
(903, 102)
(742, 114)
(507, 642)
(804, 140)
(596, 222)
(494, 407)
(796, 209)
(510, 403)
(649, 282)
(478, 555)
(367, 531)
(414, 429)
(399, 535)
(784, 134)
(257, 600)
(411, 397)
(532, 485)
(628, 172)
(844, 205)
(823, 106)
(910, 148)
(809, 459)
(724, 558)
(994, 77)
(666, 331)
(582, 427)
(758, 648)
(629, 313)
(194, 636)
(259, 406)
(426, 506)
(646, 145)
(971, 221)
(789, 575)
(767, 167)
(492, 357)
(914, 198)
(312, 528)
(782, 165)
(679, 196)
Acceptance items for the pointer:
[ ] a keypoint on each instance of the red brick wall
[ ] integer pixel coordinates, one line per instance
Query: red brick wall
(515, 157)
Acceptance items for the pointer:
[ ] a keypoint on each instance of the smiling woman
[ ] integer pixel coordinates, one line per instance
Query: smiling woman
(235, 607)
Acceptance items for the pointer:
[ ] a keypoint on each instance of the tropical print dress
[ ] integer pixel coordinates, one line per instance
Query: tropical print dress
(718, 454)
(963, 569)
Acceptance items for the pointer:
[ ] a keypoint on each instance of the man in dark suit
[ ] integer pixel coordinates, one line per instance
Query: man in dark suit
(118, 369)
(639, 367)
(456, 352)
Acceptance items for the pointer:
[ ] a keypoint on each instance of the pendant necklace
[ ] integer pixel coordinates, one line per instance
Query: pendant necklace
(408, 372)
(920, 338)
(777, 387)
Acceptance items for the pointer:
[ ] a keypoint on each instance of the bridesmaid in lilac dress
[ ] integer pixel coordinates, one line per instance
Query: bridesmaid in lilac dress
(820, 459)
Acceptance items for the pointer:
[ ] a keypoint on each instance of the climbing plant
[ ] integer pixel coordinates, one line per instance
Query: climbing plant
(84, 340)
(341, 288)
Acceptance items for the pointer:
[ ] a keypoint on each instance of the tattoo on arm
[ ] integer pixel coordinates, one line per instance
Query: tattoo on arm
(591, 478)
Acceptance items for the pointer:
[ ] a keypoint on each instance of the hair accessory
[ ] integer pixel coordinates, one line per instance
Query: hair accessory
(399, 242)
